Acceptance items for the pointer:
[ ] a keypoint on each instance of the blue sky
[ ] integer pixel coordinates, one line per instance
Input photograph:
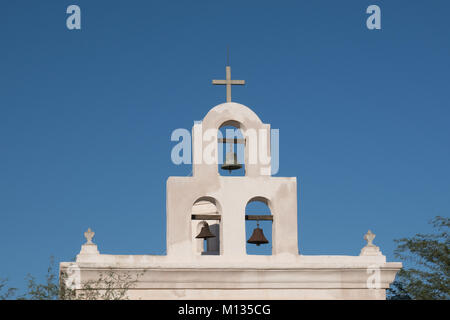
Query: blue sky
(86, 117)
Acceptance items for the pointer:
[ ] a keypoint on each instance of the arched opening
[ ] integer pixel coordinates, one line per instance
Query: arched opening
(258, 215)
(231, 149)
(205, 214)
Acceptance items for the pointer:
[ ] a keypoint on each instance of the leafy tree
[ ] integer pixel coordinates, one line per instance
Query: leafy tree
(6, 292)
(49, 290)
(110, 285)
(429, 276)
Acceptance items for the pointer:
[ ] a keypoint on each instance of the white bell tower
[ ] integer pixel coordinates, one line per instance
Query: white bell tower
(229, 195)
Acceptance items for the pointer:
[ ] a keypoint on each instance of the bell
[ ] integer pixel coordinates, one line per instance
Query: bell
(205, 233)
(257, 237)
(231, 162)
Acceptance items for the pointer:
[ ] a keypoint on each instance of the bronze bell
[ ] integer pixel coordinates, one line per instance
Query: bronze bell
(205, 233)
(257, 237)
(231, 162)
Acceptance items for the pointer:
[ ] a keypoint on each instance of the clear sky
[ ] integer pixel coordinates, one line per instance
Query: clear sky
(86, 117)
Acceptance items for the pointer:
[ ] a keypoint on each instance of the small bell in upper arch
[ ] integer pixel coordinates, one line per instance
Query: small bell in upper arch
(231, 162)
(205, 233)
(257, 237)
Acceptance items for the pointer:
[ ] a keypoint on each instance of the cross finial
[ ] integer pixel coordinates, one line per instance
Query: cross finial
(369, 236)
(89, 234)
(228, 82)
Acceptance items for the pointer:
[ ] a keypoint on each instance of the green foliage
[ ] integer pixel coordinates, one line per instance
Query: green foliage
(6, 292)
(429, 276)
(110, 285)
(49, 290)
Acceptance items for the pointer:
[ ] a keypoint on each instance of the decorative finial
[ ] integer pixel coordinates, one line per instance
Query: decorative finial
(89, 234)
(370, 249)
(369, 236)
